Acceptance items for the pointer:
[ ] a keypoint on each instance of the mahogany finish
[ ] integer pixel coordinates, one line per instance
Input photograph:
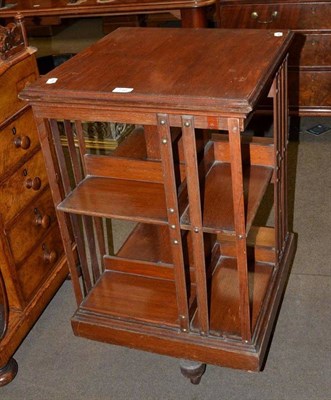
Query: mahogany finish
(193, 12)
(309, 60)
(32, 263)
(196, 278)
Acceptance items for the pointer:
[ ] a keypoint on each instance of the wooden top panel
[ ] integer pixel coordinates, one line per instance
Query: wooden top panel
(168, 69)
(33, 8)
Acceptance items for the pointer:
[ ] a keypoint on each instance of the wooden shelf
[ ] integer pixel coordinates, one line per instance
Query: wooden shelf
(224, 296)
(217, 200)
(134, 298)
(118, 198)
(149, 243)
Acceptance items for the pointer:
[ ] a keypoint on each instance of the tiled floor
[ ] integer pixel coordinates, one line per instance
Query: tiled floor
(53, 364)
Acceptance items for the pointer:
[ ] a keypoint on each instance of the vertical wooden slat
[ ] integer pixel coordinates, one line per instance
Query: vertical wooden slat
(280, 153)
(192, 177)
(286, 132)
(283, 89)
(87, 221)
(98, 226)
(277, 167)
(74, 218)
(283, 143)
(90, 242)
(81, 143)
(73, 151)
(240, 225)
(51, 161)
(173, 218)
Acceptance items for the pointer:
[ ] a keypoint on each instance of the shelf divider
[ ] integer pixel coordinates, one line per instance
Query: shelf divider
(192, 177)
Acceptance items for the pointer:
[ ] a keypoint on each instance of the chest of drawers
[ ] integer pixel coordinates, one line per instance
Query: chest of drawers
(32, 263)
(310, 61)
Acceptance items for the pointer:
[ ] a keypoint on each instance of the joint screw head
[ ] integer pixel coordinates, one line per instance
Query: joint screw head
(164, 141)
(162, 122)
(171, 210)
(196, 230)
(187, 123)
(173, 226)
(175, 241)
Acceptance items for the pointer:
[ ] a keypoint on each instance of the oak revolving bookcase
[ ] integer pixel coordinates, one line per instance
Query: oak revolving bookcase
(196, 278)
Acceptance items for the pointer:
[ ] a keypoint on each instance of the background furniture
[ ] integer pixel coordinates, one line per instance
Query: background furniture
(193, 13)
(32, 263)
(310, 61)
(196, 278)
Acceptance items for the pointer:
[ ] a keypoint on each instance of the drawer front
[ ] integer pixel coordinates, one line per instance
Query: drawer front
(310, 90)
(277, 16)
(22, 187)
(18, 139)
(32, 225)
(311, 51)
(12, 82)
(39, 266)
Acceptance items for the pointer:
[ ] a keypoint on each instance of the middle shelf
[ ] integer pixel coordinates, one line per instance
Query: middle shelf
(127, 199)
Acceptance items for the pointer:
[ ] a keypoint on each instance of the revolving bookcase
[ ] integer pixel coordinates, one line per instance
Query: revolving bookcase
(195, 277)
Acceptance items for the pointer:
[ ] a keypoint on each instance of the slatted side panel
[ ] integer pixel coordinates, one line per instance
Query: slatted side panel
(88, 232)
(192, 177)
(240, 226)
(165, 140)
(281, 145)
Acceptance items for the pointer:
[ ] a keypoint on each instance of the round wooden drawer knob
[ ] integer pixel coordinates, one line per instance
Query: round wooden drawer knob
(34, 183)
(50, 256)
(43, 220)
(22, 141)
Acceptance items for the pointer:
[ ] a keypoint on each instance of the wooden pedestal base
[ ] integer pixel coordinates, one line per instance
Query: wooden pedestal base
(8, 372)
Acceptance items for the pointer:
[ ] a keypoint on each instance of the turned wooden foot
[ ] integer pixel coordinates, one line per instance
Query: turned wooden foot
(8, 372)
(192, 370)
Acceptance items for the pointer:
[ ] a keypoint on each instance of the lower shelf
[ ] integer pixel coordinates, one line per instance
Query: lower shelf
(99, 319)
(224, 296)
(134, 298)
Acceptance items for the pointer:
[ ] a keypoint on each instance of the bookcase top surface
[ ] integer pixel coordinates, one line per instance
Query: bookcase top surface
(168, 69)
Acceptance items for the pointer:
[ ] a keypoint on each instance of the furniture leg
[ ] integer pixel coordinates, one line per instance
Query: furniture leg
(192, 370)
(8, 372)
(194, 17)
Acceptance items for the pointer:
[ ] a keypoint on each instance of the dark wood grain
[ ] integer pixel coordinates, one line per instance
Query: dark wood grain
(118, 198)
(225, 300)
(115, 293)
(218, 214)
(172, 280)
(32, 264)
(187, 88)
(148, 242)
(310, 78)
(194, 16)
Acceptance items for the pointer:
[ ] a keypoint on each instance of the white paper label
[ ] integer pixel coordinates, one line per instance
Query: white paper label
(50, 81)
(122, 90)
